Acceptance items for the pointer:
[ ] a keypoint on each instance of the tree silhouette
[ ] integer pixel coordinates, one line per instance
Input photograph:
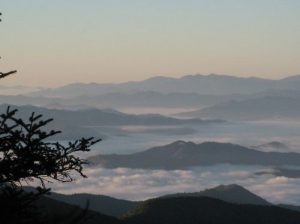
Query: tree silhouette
(26, 156)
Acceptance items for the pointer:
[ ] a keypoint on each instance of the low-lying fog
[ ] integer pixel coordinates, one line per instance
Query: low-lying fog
(156, 110)
(129, 139)
(141, 184)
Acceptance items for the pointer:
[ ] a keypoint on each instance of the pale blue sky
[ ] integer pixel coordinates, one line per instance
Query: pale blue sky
(56, 42)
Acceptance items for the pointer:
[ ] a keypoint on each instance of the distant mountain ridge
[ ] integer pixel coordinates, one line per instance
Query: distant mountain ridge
(202, 84)
(262, 108)
(99, 203)
(183, 155)
(106, 205)
(195, 210)
(232, 193)
(84, 123)
(192, 91)
(97, 117)
(117, 207)
(54, 210)
(122, 100)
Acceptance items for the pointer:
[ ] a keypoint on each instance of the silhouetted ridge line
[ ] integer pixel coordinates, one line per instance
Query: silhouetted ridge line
(183, 155)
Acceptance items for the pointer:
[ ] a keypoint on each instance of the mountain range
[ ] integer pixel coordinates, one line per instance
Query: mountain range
(99, 203)
(201, 84)
(268, 105)
(86, 122)
(119, 100)
(263, 108)
(55, 211)
(106, 117)
(209, 96)
(222, 204)
(232, 193)
(195, 210)
(183, 155)
(140, 99)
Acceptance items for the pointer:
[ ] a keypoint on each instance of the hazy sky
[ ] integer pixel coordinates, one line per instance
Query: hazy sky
(56, 42)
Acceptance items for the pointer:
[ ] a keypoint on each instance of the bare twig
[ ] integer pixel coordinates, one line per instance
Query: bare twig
(2, 75)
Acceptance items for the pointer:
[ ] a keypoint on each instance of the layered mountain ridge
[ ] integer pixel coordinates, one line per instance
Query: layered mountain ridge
(183, 155)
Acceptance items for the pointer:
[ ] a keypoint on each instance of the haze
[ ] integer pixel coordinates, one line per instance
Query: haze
(115, 41)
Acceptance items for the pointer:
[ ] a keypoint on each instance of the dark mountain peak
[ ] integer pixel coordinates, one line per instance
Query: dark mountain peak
(181, 143)
(232, 193)
(193, 210)
(219, 76)
(223, 146)
(229, 187)
(182, 155)
(178, 143)
(192, 77)
(186, 149)
(100, 203)
(159, 79)
(216, 143)
(175, 149)
(187, 144)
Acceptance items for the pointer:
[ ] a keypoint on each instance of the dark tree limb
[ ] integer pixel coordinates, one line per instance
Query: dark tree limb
(2, 75)
(25, 154)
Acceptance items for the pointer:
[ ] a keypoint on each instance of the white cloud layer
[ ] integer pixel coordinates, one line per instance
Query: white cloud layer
(136, 184)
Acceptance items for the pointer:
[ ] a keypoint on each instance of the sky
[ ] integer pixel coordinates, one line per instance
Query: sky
(53, 43)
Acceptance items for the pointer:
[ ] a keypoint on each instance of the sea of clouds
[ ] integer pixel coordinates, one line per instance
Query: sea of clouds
(249, 134)
(138, 184)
